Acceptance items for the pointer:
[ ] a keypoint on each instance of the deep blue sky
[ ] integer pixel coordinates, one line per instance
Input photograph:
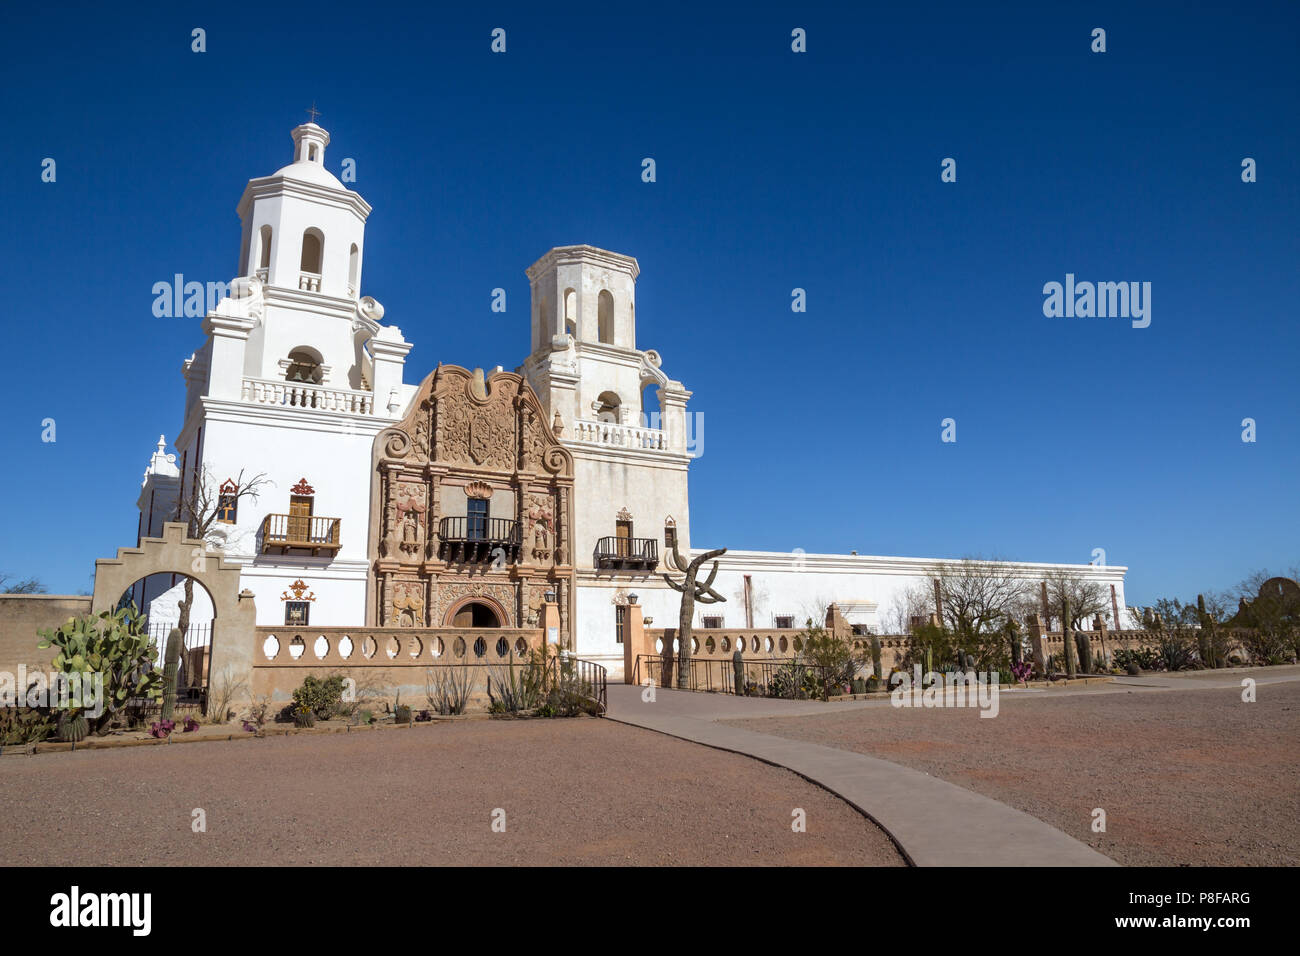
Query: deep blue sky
(775, 170)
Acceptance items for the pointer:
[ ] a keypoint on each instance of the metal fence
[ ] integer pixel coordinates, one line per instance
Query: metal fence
(196, 659)
(787, 678)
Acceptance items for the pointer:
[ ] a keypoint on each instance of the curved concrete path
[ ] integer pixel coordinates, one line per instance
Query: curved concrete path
(933, 822)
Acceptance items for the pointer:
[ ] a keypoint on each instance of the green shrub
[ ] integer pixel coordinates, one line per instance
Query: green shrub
(24, 725)
(1145, 658)
(321, 696)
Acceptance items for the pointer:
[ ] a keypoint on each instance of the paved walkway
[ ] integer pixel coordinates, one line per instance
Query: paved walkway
(933, 822)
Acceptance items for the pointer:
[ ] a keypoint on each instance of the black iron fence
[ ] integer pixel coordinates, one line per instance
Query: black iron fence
(193, 673)
(787, 678)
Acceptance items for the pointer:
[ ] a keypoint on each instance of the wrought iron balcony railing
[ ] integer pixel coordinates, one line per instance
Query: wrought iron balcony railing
(478, 539)
(627, 554)
(285, 532)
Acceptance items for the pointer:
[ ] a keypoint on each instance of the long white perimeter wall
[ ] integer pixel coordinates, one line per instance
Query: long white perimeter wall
(785, 584)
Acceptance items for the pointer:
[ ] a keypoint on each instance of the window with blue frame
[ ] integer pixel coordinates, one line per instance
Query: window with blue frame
(476, 519)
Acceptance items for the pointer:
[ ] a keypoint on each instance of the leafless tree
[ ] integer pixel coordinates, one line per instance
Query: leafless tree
(8, 585)
(979, 597)
(200, 509)
(1088, 598)
(915, 602)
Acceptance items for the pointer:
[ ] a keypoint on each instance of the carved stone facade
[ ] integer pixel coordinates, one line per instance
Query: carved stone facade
(470, 439)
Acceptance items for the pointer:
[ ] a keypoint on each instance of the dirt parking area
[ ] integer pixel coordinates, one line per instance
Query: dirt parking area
(1186, 777)
(569, 792)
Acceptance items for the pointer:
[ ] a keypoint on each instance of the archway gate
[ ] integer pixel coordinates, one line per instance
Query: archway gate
(234, 615)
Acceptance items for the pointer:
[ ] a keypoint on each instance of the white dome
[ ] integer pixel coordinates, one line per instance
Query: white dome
(309, 172)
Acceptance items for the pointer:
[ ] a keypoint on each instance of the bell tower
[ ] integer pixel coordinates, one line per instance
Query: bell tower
(302, 228)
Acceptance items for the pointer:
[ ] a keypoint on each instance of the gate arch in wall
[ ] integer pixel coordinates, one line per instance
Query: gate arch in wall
(234, 615)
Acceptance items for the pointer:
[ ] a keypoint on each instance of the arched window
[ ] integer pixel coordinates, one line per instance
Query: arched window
(651, 408)
(264, 253)
(354, 265)
(607, 405)
(570, 311)
(605, 316)
(312, 243)
(304, 366)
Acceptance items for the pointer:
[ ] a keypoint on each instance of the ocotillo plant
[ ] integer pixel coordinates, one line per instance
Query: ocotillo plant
(691, 591)
(171, 662)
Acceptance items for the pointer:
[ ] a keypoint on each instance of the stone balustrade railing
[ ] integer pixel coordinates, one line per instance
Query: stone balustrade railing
(619, 436)
(266, 391)
(391, 646)
(715, 642)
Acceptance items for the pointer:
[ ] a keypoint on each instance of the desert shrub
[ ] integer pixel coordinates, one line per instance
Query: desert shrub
(835, 661)
(514, 687)
(448, 687)
(24, 725)
(321, 696)
(1146, 658)
(1267, 645)
(225, 690)
(1176, 650)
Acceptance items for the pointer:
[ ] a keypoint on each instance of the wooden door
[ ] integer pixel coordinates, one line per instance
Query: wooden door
(623, 538)
(300, 517)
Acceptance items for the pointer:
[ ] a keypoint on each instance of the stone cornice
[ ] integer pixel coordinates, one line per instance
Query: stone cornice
(301, 419)
(862, 563)
(569, 255)
(317, 302)
(266, 187)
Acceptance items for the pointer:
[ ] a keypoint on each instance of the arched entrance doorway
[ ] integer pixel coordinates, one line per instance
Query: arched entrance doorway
(475, 614)
(475, 611)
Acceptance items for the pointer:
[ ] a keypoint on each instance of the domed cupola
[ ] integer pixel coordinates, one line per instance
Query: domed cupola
(303, 229)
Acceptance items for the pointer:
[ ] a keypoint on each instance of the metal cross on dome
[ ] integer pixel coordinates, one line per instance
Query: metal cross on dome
(313, 112)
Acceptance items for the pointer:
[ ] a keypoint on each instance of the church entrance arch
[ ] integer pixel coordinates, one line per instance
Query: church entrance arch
(474, 612)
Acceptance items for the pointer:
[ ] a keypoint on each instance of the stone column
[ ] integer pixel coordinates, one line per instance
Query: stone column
(634, 641)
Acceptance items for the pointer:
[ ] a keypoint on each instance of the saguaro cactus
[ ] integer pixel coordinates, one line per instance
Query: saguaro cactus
(1066, 649)
(1084, 645)
(875, 656)
(171, 663)
(691, 591)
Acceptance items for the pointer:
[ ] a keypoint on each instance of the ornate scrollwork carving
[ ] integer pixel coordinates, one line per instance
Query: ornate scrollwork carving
(398, 444)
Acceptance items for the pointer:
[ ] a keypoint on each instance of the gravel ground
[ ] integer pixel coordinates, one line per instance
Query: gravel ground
(573, 791)
(1186, 777)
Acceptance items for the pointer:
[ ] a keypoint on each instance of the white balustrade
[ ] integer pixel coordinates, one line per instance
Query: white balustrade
(264, 391)
(309, 282)
(619, 436)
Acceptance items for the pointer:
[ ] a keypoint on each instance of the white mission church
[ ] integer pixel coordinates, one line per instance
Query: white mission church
(459, 498)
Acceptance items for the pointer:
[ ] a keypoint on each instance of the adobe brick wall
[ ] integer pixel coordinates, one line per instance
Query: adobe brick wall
(22, 615)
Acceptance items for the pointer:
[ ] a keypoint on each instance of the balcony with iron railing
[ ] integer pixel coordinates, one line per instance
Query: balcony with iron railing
(627, 554)
(479, 539)
(283, 533)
